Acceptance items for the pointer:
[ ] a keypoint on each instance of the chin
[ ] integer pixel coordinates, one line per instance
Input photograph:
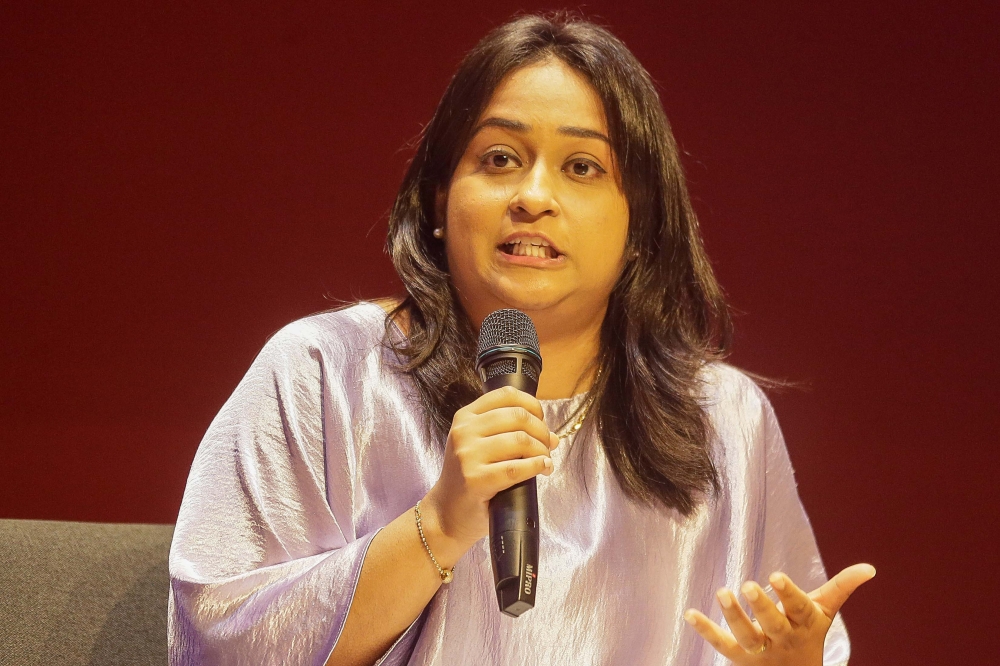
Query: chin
(529, 300)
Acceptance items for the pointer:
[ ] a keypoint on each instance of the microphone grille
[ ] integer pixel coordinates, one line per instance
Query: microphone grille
(508, 327)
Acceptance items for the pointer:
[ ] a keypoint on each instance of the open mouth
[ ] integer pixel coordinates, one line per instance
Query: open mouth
(530, 247)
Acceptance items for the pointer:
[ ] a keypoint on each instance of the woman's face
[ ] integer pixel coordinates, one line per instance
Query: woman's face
(535, 218)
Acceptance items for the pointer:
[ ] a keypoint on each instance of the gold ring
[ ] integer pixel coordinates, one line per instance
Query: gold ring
(763, 646)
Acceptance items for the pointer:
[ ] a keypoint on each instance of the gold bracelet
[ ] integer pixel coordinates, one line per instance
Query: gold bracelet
(445, 575)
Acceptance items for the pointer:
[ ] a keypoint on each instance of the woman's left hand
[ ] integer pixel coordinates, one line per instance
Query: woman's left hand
(791, 633)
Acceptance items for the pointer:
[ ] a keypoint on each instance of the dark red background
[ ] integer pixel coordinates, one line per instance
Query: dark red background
(179, 180)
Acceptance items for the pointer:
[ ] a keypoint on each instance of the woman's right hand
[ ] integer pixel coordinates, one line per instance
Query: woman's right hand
(495, 442)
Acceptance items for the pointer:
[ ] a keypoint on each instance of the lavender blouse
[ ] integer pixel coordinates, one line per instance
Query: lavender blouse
(323, 443)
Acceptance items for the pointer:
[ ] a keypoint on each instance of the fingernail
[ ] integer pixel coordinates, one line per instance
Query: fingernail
(777, 581)
(724, 598)
(750, 591)
(548, 463)
(689, 618)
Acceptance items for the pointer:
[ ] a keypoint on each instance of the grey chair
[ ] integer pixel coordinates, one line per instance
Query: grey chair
(83, 593)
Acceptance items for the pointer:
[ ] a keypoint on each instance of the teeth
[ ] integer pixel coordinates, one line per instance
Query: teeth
(530, 250)
(531, 247)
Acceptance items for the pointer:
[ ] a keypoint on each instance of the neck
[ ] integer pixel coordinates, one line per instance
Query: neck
(568, 357)
(569, 339)
(569, 354)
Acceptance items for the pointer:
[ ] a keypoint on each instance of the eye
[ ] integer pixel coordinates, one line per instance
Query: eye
(499, 159)
(584, 169)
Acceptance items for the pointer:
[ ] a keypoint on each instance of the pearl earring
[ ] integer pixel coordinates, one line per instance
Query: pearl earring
(439, 232)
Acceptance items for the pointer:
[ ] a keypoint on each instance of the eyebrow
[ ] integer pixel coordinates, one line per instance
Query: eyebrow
(521, 128)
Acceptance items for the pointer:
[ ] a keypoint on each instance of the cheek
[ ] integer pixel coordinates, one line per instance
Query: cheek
(467, 228)
(473, 214)
(605, 244)
(603, 262)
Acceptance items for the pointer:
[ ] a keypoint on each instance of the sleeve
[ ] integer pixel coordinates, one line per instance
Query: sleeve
(789, 544)
(263, 566)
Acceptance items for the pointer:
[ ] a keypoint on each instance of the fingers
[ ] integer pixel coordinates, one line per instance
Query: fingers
(747, 634)
(506, 396)
(782, 625)
(514, 419)
(510, 446)
(832, 594)
(503, 475)
(505, 410)
(771, 620)
(497, 441)
(721, 640)
(799, 608)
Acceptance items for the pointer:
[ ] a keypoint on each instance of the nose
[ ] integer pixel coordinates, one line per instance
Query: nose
(535, 195)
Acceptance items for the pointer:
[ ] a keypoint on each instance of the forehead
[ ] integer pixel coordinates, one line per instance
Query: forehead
(548, 93)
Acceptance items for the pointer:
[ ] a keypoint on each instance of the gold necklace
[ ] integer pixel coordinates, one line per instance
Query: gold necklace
(563, 431)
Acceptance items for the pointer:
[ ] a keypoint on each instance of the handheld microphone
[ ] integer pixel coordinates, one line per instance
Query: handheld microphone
(508, 356)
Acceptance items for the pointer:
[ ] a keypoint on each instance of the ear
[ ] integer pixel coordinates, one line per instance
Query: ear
(440, 208)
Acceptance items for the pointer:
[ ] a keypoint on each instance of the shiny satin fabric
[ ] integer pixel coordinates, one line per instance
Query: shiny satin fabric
(323, 443)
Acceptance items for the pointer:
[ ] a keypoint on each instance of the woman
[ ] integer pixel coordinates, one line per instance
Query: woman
(337, 507)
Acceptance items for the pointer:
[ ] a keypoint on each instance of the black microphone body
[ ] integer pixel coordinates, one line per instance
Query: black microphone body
(508, 356)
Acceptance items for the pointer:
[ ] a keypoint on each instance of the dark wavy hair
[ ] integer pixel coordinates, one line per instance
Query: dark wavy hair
(666, 316)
